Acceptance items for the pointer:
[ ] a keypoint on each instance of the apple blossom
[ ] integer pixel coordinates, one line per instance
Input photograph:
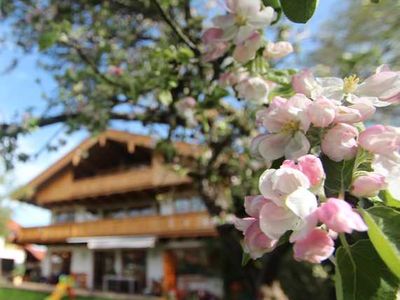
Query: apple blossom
(330, 87)
(355, 113)
(253, 89)
(291, 203)
(380, 139)
(243, 19)
(339, 143)
(314, 248)
(381, 89)
(384, 85)
(368, 185)
(214, 46)
(277, 50)
(322, 112)
(287, 122)
(338, 215)
(246, 50)
(253, 204)
(256, 243)
(278, 184)
(310, 165)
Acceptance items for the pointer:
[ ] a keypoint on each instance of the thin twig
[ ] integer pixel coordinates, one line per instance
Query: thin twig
(178, 31)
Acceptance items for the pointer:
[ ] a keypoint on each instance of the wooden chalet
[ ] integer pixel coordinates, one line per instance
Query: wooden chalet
(122, 219)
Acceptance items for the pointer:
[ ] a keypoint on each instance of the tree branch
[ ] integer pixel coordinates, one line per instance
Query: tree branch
(175, 28)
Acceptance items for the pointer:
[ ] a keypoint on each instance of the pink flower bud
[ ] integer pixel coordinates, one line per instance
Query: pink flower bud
(339, 142)
(115, 70)
(256, 243)
(253, 204)
(368, 185)
(303, 82)
(215, 51)
(380, 139)
(339, 216)
(315, 247)
(246, 50)
(322, 112)
(278, 50)
(309, 165)
(212, 35)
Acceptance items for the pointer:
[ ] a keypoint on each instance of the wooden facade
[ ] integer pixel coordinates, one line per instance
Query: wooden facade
(61, 185)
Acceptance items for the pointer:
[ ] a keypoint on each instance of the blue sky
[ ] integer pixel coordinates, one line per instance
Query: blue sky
(18, 91)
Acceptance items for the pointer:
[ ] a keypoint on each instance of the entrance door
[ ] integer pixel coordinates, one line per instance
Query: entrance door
(104, 262)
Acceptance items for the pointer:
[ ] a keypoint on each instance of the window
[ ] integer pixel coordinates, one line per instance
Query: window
(115, 213)
(185, 205)
(64, 217)
(142, 211)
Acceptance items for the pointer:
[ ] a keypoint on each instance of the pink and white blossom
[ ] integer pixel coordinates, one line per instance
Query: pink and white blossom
(314, 248)
(329, 87)
(287, 122)
(339, 216)
(246, 50)
(322, 112)
(291, 202)
(380, 139)
(339, 143)
(384, 85)
(253, 205)
(277, 50)
(253, 89)
(355, 113)
(243, 19)
(310, 165)
(380, 89)
(368, 185)
(278, 184)
(256, 243)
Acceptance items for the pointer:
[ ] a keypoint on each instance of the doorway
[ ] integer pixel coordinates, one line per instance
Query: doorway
(104, 264)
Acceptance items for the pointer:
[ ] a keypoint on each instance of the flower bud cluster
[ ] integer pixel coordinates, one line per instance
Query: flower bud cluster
(319, 120)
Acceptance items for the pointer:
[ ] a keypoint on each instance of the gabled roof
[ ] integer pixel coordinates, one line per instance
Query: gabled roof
(73, 157)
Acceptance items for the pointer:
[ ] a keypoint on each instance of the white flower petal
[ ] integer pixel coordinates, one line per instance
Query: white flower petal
(271, 146)
(275, 220)
(297, 146)
(302, 202)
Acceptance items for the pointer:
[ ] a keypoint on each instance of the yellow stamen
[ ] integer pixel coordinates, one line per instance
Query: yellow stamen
(291, 127)
(350, 84)
(240, 20)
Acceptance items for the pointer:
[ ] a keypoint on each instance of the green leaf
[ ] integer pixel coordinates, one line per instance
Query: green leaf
(383, 230)
(362, 275)
(48, 39)
(165, 97)
(389, 200)
(299, 11)
(338, 175)
(362, 163)
(245, 258)
(273, 3)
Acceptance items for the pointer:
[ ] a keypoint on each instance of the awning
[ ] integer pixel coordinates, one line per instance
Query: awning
(113, 242)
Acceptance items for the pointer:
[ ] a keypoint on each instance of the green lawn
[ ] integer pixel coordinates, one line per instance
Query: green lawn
(15, 294)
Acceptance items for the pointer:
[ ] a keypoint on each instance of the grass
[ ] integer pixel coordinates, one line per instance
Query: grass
(15, 294)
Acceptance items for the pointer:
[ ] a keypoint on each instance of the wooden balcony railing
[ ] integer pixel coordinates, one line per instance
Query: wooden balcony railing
(179, 225)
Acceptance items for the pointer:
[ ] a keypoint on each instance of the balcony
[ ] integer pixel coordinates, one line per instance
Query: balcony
(179, 225)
